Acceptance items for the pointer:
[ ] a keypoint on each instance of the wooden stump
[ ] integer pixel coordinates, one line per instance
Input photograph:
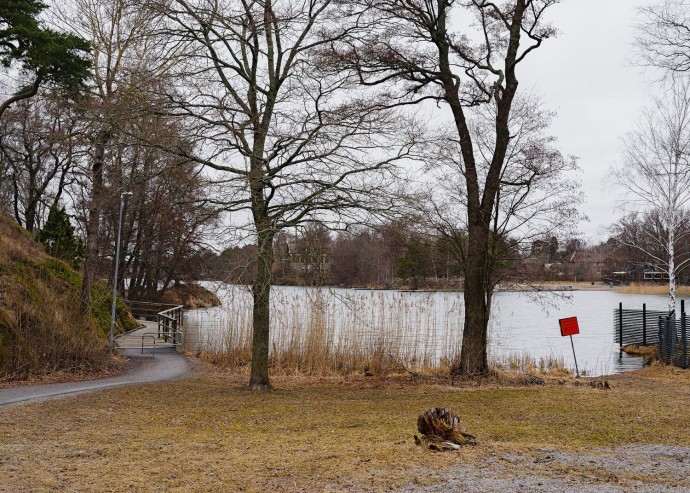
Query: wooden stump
(441, 429)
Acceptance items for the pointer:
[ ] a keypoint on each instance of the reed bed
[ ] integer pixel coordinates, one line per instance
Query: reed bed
(526, 363)
(320, 331)
(655, 289)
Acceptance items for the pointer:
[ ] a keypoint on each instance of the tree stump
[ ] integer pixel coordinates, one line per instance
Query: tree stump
(441, 429)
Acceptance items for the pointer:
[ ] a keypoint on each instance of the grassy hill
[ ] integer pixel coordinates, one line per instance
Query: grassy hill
(42, 326)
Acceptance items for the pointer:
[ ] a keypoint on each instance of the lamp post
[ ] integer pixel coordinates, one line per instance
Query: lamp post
(111, 338)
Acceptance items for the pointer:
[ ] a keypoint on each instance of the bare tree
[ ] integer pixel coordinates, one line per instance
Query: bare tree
(128, 59)
(39, 149)
(663, 38)
(538, 194)
(423, 50)
(288, 144)
(656, 179)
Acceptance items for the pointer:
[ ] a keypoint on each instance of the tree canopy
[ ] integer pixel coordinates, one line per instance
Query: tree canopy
(43, 54)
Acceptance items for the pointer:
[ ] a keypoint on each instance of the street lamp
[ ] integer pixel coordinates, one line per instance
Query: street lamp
(111, 338)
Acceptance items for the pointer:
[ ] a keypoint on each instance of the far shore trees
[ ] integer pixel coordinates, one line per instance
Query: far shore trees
(287, 145)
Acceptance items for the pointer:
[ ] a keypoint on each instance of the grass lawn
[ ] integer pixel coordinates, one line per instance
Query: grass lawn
(207, 433)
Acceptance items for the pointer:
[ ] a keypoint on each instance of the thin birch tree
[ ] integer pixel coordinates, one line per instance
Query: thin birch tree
(656, 179)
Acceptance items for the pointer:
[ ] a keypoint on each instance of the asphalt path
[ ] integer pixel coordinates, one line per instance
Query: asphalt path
(164, 364)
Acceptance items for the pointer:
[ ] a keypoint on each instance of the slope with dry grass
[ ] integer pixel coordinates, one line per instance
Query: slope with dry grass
(42, 326)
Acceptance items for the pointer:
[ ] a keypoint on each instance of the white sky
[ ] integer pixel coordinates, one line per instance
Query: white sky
(587, 75)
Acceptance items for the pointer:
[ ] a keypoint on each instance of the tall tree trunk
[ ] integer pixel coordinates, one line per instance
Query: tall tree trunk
(261, 291)
(94, 217)
(30, 215)
(473, 355)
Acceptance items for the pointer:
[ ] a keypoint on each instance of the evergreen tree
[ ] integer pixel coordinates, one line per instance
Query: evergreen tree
(58, 237)
(45, 55)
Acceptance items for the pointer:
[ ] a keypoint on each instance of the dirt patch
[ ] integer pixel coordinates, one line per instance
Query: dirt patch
(657, 468)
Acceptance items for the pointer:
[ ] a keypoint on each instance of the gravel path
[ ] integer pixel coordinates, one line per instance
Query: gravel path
(166, 365)
(643, 468)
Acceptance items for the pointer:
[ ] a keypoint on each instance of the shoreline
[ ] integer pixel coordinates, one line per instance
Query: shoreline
(536, 287)
(548, 286)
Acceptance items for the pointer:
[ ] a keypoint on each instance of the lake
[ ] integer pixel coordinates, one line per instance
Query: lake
(427, 326)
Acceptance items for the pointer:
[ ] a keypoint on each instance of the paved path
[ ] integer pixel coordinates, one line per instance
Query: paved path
(166, 365)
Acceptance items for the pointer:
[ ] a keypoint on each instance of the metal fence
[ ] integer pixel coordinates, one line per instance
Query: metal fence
(673, 340)
(655, 328)
(639, 327)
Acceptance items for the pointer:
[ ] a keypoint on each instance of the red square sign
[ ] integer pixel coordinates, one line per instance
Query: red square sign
(569, 326)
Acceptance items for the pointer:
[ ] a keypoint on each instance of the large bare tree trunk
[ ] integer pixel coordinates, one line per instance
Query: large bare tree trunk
(473, 355)
(94, 218)
(259, 378)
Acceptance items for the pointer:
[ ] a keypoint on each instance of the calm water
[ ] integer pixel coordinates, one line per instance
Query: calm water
(521, 323)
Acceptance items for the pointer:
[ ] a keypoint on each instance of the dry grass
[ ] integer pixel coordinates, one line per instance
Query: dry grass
(323, 334)
(209, 434)
(527, 364)
(639, 350)
(42, 326)
(656, 289)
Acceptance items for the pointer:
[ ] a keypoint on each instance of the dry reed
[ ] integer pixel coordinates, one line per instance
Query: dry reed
(655, 289)
(526, 363)
(341, 332)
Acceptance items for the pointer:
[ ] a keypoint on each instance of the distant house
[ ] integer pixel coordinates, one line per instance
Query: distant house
(650, 275)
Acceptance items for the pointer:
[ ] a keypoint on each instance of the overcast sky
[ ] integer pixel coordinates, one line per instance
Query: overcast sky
(588, 76)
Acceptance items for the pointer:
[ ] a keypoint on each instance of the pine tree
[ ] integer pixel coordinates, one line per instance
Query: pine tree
(58, 237)
(44, 55)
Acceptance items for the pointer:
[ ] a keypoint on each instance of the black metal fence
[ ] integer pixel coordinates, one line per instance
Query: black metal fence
(673, 340)
(639, 327)
(655, 328)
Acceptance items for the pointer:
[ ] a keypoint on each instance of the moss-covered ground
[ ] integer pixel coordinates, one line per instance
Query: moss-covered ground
(43, 327)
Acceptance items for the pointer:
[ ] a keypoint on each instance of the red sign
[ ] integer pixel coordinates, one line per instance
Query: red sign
(569, 326)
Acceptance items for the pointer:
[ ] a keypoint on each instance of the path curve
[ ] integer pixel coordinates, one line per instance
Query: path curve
(167, 364)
